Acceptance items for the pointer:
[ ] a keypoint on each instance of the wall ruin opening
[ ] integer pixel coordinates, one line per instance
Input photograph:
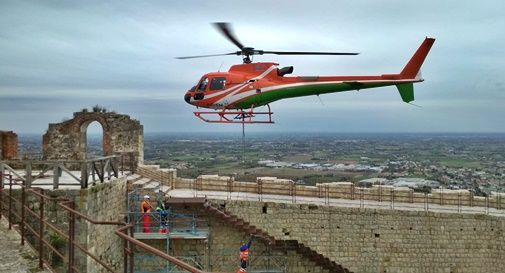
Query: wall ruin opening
(93, 139)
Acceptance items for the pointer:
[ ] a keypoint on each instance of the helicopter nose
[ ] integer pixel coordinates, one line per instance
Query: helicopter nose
(187, 98)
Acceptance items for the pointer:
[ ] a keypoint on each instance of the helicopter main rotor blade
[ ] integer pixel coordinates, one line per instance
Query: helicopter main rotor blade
(261, 52)
(225, 29)
(204, 56)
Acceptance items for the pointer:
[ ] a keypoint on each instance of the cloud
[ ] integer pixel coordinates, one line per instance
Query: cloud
(56, 58)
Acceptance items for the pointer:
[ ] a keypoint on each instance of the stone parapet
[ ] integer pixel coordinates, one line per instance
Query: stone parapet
(165, 176)
(336, 190)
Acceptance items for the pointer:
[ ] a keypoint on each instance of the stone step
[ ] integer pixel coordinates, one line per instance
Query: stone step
(164, 189)
(133, 177)
(152, 186)
(141, 183)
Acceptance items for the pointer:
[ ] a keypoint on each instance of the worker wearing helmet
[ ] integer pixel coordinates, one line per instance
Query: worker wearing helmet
(145, 210)
(244, 254)
(163, 214)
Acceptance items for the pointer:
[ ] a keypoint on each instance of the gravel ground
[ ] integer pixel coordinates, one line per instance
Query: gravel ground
(15, 258)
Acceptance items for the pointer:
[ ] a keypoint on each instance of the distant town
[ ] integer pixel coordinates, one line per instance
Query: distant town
(420, 161)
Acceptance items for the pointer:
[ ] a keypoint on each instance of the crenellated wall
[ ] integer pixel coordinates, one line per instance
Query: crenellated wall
(334, 190)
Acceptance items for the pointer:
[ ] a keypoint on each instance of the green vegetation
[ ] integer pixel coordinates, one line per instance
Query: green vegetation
(99, 109)
(56, 241)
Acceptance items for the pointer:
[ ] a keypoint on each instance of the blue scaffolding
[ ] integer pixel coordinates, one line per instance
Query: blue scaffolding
(164, 224)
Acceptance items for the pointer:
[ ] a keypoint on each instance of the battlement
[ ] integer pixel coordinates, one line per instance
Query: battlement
(333, 193)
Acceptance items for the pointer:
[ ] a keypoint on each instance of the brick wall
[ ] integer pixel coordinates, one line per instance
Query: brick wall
(8, 145)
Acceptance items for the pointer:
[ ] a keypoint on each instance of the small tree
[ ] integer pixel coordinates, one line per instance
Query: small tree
(99, 109)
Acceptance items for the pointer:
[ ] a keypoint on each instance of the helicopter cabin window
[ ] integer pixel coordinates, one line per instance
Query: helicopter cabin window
(203, 84)
(217, 83)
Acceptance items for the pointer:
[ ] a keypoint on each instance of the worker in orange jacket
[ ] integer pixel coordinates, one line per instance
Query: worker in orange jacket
(145, 210)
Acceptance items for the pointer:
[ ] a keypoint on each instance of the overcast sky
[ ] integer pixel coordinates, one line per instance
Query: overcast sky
(57, 57)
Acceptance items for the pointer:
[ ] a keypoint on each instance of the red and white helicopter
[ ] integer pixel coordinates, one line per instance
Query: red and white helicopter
(235, 94)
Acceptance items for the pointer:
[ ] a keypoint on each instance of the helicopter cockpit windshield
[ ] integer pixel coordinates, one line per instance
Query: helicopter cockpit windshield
(203, 84)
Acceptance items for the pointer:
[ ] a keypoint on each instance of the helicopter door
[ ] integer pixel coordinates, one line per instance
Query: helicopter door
(217, 83)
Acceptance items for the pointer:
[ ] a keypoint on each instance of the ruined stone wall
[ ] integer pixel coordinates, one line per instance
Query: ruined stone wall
(385, 241)
(67, 140)
(8, 145)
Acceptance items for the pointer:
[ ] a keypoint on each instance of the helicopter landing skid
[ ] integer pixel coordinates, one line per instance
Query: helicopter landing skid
(236, 116)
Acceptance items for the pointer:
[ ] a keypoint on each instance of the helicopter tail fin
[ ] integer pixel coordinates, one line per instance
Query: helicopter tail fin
(406, 91)
(414, 65)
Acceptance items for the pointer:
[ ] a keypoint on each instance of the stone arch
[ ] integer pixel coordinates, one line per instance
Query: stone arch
(67, 140)
(106, 137)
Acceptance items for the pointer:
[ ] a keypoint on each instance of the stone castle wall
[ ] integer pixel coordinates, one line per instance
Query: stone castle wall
(373, 240)
(67, 140)
(8, 145)
(105, 202)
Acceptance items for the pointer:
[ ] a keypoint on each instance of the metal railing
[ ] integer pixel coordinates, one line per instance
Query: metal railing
(35, 228)
(382, 198)
(80, 172)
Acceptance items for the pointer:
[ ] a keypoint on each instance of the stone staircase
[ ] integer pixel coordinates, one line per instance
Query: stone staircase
(144, 185)
(294, 245)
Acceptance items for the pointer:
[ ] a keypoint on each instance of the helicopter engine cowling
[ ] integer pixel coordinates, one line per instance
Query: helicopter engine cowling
(285, 70)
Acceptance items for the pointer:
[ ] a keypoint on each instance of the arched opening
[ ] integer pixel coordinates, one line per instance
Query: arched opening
(93, 136)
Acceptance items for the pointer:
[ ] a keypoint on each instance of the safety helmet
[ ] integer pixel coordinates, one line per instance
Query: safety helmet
(146, 196)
